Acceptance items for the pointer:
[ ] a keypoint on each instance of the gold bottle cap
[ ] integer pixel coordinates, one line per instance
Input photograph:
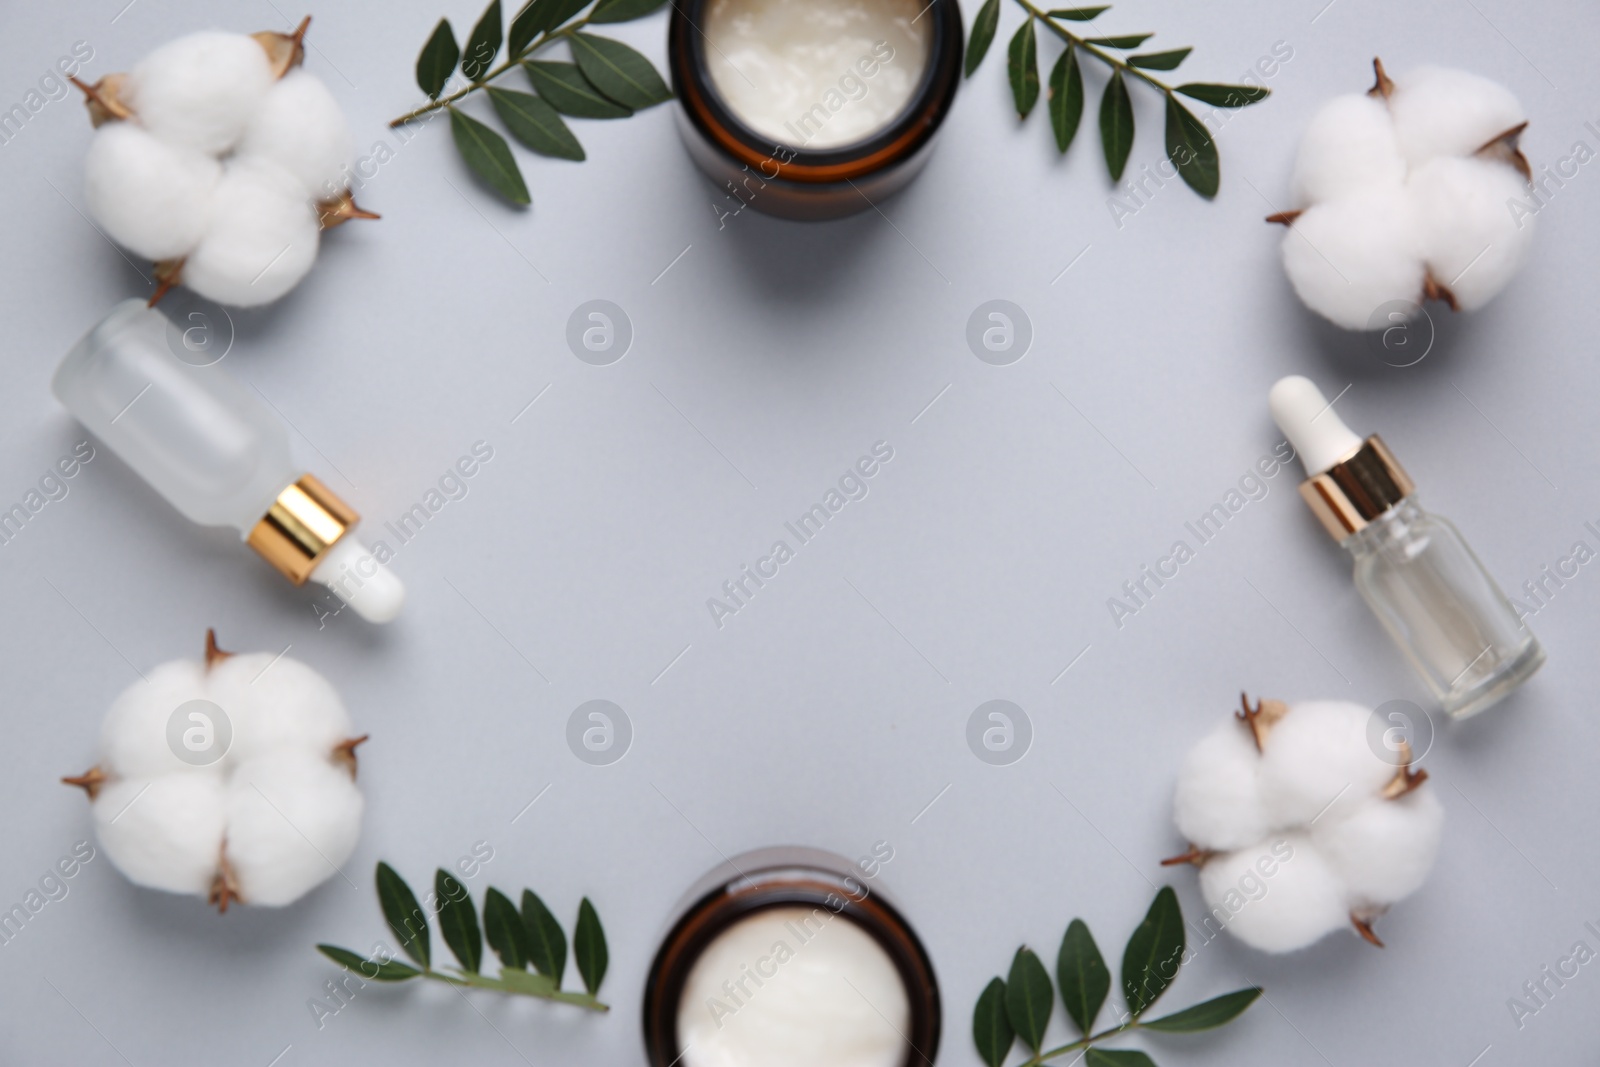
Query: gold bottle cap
(300, 526)
(1357, 489)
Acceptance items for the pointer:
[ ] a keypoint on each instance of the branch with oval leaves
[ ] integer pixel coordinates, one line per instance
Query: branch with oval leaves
(523, 938)
(1189, 144)
(605, 79)
(1020, 1005)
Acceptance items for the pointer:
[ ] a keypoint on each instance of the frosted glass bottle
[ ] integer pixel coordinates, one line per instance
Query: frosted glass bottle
(218, 454)
(1442, 608)
(1414, 569)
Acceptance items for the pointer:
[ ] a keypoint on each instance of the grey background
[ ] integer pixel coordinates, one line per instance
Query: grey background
(831, 711)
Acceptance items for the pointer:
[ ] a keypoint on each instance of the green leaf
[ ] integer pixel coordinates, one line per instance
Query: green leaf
(438, 60)
(1132, 40)
(1029, 997)
(982, 36)
(1116, 125)
(1082, 974)
(1207, 1014)
(487, 153)
(1066, 97)
(372, 970)
(484, 44)
(563, 87)
(403, 914)
(1225, 95)
(623, 10)
(535, 123)
(524, 28)
(542, 15)
(991, 1030)
(548, 940)
(1117, 1057)
(458, 919)
(503, 929)
(1191, 149)
(1159, 60)
(618, 71)
(1154, 952)
(589, 947)
(1022, 66)
(1077, 14)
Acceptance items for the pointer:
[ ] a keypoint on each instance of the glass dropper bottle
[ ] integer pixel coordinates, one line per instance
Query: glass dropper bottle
(218, 454)
(1413, 568)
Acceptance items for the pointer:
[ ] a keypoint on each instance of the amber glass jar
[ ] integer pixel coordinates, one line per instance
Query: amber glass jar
(793, 181)
(784, 878)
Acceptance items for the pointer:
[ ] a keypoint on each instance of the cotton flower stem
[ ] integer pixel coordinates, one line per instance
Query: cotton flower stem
(546, 38)
(1104, 57)
(500, 985)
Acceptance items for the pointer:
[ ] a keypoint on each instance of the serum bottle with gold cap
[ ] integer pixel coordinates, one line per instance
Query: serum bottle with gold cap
(1413, 568)
(218, 454)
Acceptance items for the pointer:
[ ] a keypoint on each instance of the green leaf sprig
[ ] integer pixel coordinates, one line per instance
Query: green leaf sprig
(1189, 144)
(1019, 1005)
(529, 937)
(605, 80)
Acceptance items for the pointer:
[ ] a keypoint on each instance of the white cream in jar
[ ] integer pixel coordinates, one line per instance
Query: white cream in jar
(817, 74)
(794, 986)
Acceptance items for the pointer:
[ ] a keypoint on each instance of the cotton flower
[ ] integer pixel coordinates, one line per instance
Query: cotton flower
(220, 159)
(262, 239)
(268, 808)
(1401, 194)
(1299, 827)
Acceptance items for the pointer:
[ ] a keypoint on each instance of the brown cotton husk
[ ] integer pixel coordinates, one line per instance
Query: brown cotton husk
(214, 655)
(225, 884)
(1362, 919)
(340, 210)
(1261, 718)
(1382, 84)
(1506, 147)
(168, 275)
(285, 51)
(1406, 778)
(1285, 218)
(104, 99)
(1434, 289)
(345, 753)
(1196, 855)
(89, 781)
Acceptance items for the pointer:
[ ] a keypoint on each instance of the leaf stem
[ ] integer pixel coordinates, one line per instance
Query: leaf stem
(1111, 60)
(1081, 1043)
(483, 981)
(546, 38)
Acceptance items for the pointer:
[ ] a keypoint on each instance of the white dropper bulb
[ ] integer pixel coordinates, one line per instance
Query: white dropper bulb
(1308, 420)
(349, 568)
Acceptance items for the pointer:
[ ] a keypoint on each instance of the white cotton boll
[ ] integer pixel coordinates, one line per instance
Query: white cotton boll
(1350, 145)
(1278, 896)
(199, 91)
(150, 197)
(133, 736)
(1439, 111)
(165, 833)
(1349, 257)
(302, 129)
(276, 703)
(1217, 803)
(293, 818)
(1472, 242)
(262, 239)
(1382, 852)
(1318, 763)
